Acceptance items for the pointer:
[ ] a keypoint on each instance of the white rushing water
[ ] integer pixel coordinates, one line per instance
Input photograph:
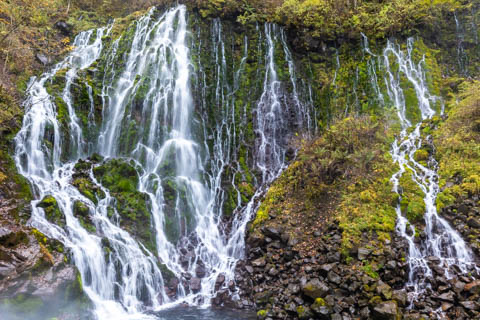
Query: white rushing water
(178, 171)
(441, 241)
(462, 57)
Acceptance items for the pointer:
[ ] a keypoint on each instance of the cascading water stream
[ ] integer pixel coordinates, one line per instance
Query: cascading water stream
(114, 290)
(271, 143)
(178, 171)
(462, 57)
(441, 240)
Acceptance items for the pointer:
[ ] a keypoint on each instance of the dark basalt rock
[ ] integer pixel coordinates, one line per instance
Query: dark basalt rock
(65, 28)
(43, 59)
(385, 311)
(315, 289)
(195, 285)
(321, 284)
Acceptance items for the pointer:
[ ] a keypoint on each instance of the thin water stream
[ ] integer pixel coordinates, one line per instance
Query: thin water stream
(441, 241)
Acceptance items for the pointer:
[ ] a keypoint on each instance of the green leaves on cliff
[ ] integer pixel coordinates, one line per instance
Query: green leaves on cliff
(328, 19)
(344, 175)
(458, 147)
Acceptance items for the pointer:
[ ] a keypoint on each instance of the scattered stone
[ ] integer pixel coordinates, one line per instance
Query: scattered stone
(43, 59)
(447, 296)
(363, 253)
(470, 305)
(385, 311)
(260, 262)
(473, 223)
(315, 289)
(195, 285)
(473, 287)
(65, 28)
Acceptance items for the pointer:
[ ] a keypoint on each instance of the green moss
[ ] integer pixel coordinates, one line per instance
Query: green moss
(167, 274)
(370, 270)
(121, 178)
(82, 213)
(412, 203)
(88, 189)
(52, 211)
(23, 304)
(320, 302)
(421, 155)
(375, 300)
(261, 314)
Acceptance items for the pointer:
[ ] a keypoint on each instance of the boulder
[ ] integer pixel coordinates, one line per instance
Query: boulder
(260, 262)
(401, 297)
(321, 309)
(448, 296)
(315, 289)
(334, 278)
(262, 298)
(385, 311)
(65, 28)
(363, 253)
(272, 232)
(220, 280)
(43, 59)
(470, 305)
(472, 287)
(195, 284)
(384, 289)
(304, 312)
(200, 271)
(473, 223)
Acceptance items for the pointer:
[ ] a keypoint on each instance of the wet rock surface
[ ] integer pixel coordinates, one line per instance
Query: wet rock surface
(34, 270)
(464, 216)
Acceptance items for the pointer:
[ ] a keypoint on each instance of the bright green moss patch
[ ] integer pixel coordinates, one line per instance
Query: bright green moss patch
(320, 302)
(52, 210)
(121, 178)
(371, 270)
(412, 203)
(262, 314)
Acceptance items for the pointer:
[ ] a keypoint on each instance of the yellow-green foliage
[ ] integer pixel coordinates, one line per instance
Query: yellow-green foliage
(367, 203)
(328, 19)
(346, 172)
(9, 109)
(274, 195)
(320, 302)
(262, 314)
(458, 147)
(246, 11)
(421, 155)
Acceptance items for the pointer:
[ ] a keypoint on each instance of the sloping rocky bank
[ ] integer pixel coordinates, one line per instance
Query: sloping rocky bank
(321, 262)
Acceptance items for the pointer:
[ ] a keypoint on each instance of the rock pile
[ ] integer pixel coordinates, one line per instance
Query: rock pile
(284, 283)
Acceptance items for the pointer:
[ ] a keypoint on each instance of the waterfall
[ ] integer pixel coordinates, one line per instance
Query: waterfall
(130, 269)
(441, 240)
(462, 57)
(157, 116)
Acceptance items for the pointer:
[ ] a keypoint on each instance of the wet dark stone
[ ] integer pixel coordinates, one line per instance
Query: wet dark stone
(195, 284)
(65, 28)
